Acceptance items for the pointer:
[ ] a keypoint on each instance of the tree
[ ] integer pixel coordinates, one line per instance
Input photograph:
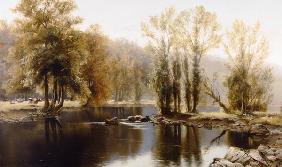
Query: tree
(176, 89)
(96, 69)
(129, 67)
(52, 48)
(249, 81)
(210, 88)
(159, 32)
(137, 81)
(6, 42)
(122, 75)
(187, 83)
(197, 34)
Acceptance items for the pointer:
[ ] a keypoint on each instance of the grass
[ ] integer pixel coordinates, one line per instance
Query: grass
(213, 115)
(6, 106)
(274, 120)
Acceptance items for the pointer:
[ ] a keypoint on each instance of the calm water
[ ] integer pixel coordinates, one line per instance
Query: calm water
(83, 142)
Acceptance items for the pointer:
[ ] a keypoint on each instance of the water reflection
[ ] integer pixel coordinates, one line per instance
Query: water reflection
(175, 143)
(76, 141)
(192, 146)
(99, 114)
(168, 136)
(53, 130)
(243, 140)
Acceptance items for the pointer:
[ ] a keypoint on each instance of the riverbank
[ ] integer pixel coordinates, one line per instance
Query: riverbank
(15, 112)
(260, 126)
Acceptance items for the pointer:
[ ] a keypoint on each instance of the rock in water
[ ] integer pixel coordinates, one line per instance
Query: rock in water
(145, 119)
(138, 117)
(113, 121)
(131, 119)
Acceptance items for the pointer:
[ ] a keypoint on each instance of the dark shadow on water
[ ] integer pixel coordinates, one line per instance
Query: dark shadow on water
(53, 130)
(243, 140)
(168, 142)
(192, 147)
(174, 143)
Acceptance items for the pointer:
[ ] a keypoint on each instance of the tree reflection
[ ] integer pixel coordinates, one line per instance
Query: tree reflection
(192, 149)
(174, 143)
(89, 145)
(242, 140)
(53, 130)
(168, 145)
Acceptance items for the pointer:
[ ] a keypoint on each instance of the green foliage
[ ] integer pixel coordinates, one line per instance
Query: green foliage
(159, 31)
(249, 81)
(197, 35)
(49, 47)
(189, 36)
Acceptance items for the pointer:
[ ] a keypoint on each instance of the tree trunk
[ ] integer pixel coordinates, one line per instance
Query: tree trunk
(196, 80)
(46, 88)
(175, 97)
(55, 96)
(179, 102)
(195, 102)
(59, 93)
(210, 92)
(61, 103)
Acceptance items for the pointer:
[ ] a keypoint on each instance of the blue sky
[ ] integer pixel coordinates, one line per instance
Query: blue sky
(122, 18)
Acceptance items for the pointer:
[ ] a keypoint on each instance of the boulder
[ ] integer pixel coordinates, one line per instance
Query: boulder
(225, 163)
(235, 154)
(138, 117)
(271, 158)
(263, 149)
(145, 119)
(113, 121)
(279, 141)
(259, 130)
(279, 154)
(257, 157)
(131, 119)
(236, 164)
(275, 132)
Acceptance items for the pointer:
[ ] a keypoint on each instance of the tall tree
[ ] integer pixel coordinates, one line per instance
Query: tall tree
(129, 67)
(137, 81)
(176, 88)
(96, 71)
(249, 81)
(197, 34)
(159, 32)
(6, 42)
(53, 48)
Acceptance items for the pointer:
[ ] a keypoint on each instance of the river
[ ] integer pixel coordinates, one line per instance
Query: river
(83, 141)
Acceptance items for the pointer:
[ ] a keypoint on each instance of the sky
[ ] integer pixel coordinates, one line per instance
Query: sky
(122, 18)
